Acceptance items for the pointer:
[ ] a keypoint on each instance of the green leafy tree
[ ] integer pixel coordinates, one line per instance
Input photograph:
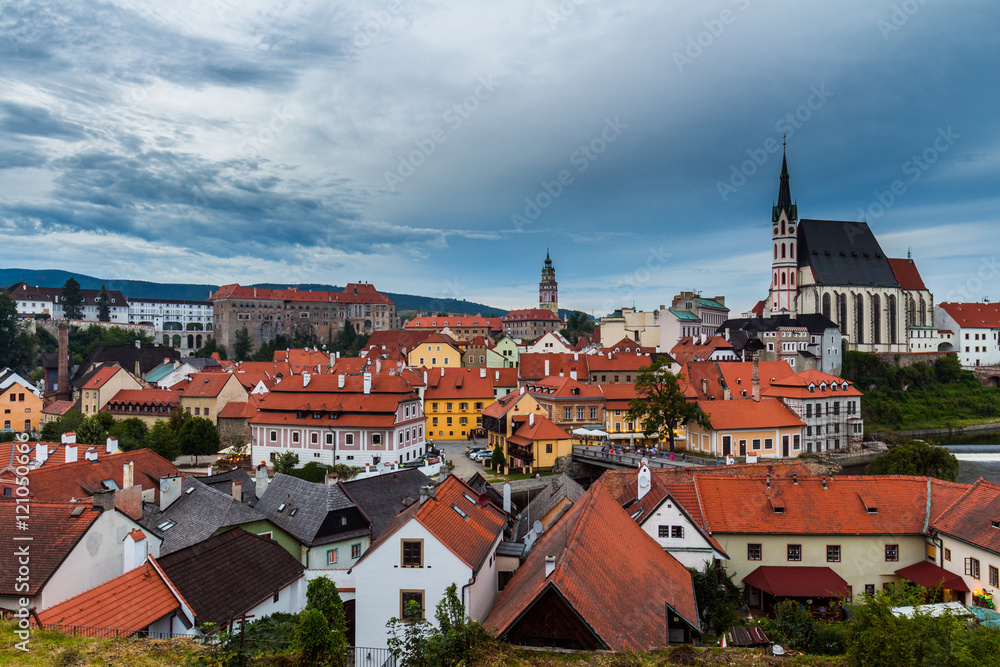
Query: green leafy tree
(915, 457)
(198, 437)
(163, 440)
(661, 406)
(178, 417)
(52, 431)
(242, 346)
(131, 433)
(577, 324)
(408, 635)
(498, 459)
(322, 594)
(285, 462)
(17, 349)
(718, 597)
(314, 638)
(211, 346)
(94, 430)
(72, 300)
(104, 305)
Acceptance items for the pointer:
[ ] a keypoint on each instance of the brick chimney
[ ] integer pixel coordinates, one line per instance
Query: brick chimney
(113, 446)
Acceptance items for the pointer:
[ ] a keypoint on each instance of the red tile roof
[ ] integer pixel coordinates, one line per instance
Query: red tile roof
(797, 386)
(619, 363)
(143, 397)
(974, 517)
(531, 315)
(749, 414)
(353, 293)
(54, 532)
(450, 321)
(203, 385)
(60, 483)
(562, 387)
(457, 383)
(906, 274)
(502, 377)
(973, 315)
(401, 338)
(738, 375)
(797, 581)
(502, 405)
(617, 396)
(531, 366)
(131, 602)
(239, 410)
(620, 593)
(542, 429)
(687, 349)
(470, 537)
(58, 408)
(100, 378)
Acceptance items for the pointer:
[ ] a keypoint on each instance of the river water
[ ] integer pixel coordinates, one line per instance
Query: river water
(976, 460)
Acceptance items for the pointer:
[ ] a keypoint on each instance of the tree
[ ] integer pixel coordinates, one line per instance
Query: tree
(408, 636)
(131, 433)
(211, 346)
(104, 305)
(70, 421)
(285, 462)
(94, 430)
(17, 350)
(198, 437)
(916, 457)
(163, 440)
(72, 300)
(661, 406)
(322, 595)
(314, 638)
(718, 597)
(577, 324)
(498, 459)
(178, 417)
(242, 346)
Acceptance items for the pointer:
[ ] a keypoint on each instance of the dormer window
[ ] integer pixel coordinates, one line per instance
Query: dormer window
(812, 388)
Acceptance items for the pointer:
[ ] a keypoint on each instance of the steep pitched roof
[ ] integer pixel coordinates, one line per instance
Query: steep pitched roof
(748, 414)
(618, 363)
(140, 397)
(542, 429)
(63, 482)
(906, 274)
(352, 293)
(58, 408)
(457, 383)
(974, 517)
(196, 515)
(381, 497)
(561, 487)
(130, 602)
(203, 385)
(101, 377)
(843, 253)
(620, 593)
(562, 387)
(55, 528)
(690, 348)
(531, 315)
(205, 575)
(797, 386)
(738, 375)
(311, 503)
(531, 366)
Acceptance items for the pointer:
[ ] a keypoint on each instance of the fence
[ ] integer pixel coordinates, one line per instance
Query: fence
(659, 460)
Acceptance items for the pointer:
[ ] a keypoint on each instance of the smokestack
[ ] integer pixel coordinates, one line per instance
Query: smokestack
(135, 549)
(550, 565)
(378, 365)
(426, 492)
(113, 446)
(572, 374)
(63, 359)
(546, 368)
(482, 372)
(238, 490)
(531, 419)
(90, 454)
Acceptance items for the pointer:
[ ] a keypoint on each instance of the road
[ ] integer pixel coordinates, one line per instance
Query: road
(454, 451)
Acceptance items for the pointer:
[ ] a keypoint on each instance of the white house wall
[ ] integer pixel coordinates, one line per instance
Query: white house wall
(692, 550)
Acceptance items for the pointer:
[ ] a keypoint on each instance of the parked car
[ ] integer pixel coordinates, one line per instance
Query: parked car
(473, 451)
(482, 455)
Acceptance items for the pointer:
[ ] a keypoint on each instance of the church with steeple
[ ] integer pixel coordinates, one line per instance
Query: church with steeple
(838, 269)
(548, 288)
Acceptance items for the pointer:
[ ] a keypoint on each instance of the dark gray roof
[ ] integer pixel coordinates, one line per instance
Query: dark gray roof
(312, 503)
(382, 497)
(148, 356)
(843, 254)
(479, 483)
(515, 549)
(198, 513)
(560, 488)
(223, 482)
(814, 323)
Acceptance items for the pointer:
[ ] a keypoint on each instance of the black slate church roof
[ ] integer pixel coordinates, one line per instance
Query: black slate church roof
(843, 254)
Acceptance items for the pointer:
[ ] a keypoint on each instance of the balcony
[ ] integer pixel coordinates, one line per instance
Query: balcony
(521, 452)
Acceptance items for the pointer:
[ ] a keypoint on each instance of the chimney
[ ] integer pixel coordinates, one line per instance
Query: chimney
(531, 419)
(644, 480)
(482, 372)
(340, 381)
(443, 472)
(755, 382)
(113, 446)
(576, 356)
(824, 481)
(261, 480)
(506, 497)
(546, 368)
(238, 490)
(378, 366)
(426, 492)
(41, 452)
(170, 490)
(63, 377)
(69, 438)
(71, 452)
(138, 345)
(333, 359)
(128, 471)
(332, 479)
(572, 374)
(496, 376)
(550, 565)
(306, 376)
(134, 548)
(442, 371)
(104, 499)
(368, 382)
(90, 454)
(702, 338)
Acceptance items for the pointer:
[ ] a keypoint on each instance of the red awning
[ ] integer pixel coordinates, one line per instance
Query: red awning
(929, 575)
(788, 581)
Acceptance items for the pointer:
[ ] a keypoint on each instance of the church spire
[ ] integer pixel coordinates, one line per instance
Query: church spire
(784, 193)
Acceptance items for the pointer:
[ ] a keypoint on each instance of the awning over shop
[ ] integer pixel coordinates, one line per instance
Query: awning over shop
(590, 433)
(788, 581)
(929, 575)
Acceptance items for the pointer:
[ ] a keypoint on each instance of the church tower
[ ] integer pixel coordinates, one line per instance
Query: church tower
(548, 288)
(784, 265)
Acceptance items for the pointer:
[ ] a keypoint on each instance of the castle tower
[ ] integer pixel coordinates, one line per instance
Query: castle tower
(784, 263)
(548, 288)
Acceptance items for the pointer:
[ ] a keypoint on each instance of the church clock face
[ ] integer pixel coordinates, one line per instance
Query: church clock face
(791, 229)
(775, 231)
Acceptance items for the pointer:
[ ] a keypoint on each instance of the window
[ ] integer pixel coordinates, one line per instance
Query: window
(768, 443)
(891, 553)
(548, 448)
(994, 577)
(463, 407)
(833, 553)
(795, 552)
(405, 597)
(413, 553)
(972, 567)
(869, 589)
(677, 532)
(331, 557)
(276, 594)
(329, 438)
(568, 413)
(754, 552)
(503, 578)
(579, 413)
(947, 555)
(349, 439)
(274, 436)
(197, 411)
(295, 436)
(593, 413)
(355, 551)
(756, 443)
(663, 531)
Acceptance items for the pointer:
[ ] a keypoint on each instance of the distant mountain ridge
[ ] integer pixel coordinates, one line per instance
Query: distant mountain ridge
(142, 289)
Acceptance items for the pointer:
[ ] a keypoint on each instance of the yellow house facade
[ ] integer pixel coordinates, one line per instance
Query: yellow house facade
(519, 425)
(435, 352)
(454, 400)
(21, 409)
(764, 428)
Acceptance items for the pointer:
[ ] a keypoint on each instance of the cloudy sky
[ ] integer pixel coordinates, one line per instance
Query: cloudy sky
(438, 148)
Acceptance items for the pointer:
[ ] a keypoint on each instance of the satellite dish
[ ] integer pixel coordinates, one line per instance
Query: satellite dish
(484, 499)
(380, 466)
(643, 477)
(537, 527)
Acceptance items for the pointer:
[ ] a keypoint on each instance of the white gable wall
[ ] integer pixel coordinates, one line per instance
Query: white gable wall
(692, 550)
